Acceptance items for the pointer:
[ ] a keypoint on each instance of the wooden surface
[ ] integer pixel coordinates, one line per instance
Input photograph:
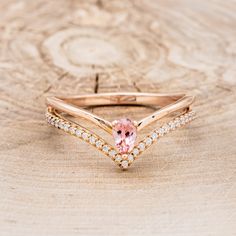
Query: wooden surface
(53, 184)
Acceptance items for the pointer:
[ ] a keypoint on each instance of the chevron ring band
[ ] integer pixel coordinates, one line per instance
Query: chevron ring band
(126, 147)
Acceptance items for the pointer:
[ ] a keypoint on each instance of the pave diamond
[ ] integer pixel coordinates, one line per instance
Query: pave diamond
(72, 130)
(106, 148)
(92, 140)
(85, 136)
(124, 164)
(182, 120)
(177, 122)
(135, 151)
(166, 128)
(186, 117)
(66, 127)
(56, 123)
(130, 158)
(52, 121)
(148, 141)
(172, 125)
(154, 136)
(78, 132)
(161, 131)
(61, 124)
(112, 153)
(118, 158)
(141, 146)
(99, 144)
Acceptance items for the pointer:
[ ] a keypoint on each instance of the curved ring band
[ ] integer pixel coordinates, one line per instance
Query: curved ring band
(169, 103)
(124, 130)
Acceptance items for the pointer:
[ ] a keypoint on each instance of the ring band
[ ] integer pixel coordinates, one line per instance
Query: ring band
(124, 131)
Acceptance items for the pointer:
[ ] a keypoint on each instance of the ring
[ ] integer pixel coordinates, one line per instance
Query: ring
(174, 107)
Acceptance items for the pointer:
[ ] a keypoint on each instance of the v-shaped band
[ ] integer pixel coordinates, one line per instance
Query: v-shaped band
(124, 131)
(167, 103)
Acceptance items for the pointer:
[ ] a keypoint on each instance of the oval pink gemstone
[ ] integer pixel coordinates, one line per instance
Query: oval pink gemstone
(124, 133)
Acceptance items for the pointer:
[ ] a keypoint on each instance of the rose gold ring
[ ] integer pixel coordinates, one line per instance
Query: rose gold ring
(174, 107)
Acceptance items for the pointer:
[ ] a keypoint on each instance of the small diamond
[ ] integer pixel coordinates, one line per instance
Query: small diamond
(166, 128)
(161, 131)
(106, 148)
(56, 123)
(130, 157)
(78, 132)
(52, 121)
(177, 122)
(186, 117)
(92, 139)
(66, 127)
(61, 125)
(148, 141)
(182, 120)
(192, 113)
(118, 158)
(99, 144)
(72, 130)
(135, 151)
(141, 146)
(154, 136)
(112, 153)
(172, 125)
(124, 164)
(85, 136)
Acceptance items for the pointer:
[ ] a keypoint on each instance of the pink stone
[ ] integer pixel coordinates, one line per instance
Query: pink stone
(124, 133)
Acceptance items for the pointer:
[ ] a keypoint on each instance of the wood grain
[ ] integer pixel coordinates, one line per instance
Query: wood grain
(52, 184)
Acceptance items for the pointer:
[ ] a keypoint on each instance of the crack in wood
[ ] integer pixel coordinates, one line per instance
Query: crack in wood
(96, 87)
(136, 87)
(50, 86)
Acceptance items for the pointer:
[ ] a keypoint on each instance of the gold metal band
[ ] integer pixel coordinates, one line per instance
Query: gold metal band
(74, 106)
(124, 131)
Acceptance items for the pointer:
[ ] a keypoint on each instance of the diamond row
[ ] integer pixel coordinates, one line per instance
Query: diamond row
(177, 122)
(161, 131)
(125, 160)
(88, 137)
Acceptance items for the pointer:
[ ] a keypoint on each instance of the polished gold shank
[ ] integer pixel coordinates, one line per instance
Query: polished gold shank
(75, 106)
